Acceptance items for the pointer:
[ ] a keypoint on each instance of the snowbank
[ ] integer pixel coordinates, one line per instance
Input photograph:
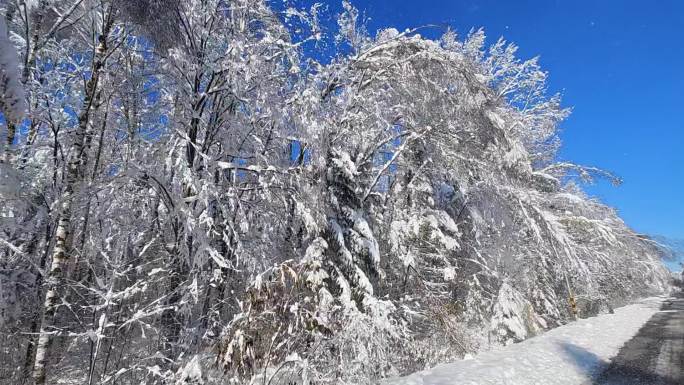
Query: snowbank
(570, 354)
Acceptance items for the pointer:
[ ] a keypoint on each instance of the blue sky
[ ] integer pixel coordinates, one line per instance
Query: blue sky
(618, 63)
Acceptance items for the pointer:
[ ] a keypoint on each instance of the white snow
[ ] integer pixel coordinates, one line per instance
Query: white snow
(568, 355)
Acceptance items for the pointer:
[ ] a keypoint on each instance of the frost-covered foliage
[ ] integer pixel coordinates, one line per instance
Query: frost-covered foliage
(194, 199)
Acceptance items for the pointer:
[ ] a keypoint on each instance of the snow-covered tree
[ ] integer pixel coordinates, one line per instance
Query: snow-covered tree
(191, 193)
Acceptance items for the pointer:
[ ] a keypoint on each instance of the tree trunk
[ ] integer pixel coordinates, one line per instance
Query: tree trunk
(35, 324)
(60, 255)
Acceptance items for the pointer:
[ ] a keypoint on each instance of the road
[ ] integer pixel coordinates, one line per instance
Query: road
(655, 356)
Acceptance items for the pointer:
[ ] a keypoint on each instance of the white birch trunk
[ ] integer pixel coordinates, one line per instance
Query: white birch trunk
(60, 255)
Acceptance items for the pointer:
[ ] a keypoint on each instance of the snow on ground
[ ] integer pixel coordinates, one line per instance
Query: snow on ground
(568, 355)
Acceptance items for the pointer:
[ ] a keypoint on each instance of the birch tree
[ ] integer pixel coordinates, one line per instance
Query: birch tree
(74, 174)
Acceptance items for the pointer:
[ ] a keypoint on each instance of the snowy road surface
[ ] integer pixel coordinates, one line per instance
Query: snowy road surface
(655, 356)
(574, 354)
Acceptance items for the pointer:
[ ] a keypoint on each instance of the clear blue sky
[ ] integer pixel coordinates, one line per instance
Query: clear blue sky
(618, 63)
